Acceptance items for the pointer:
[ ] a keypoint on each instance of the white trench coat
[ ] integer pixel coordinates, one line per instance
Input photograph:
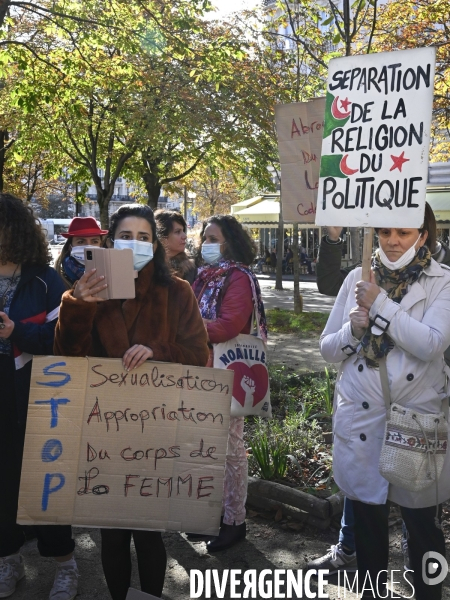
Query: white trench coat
(420, 328)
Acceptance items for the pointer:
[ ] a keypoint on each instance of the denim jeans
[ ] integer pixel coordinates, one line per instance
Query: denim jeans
(347, 533)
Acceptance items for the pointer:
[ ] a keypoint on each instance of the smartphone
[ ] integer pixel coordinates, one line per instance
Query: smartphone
(118, 269)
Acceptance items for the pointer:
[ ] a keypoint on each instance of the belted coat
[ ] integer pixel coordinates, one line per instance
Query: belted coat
(420, 329)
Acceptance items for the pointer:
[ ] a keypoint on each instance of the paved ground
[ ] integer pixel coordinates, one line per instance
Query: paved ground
(312, 300)
(269, 544)
(300, 354)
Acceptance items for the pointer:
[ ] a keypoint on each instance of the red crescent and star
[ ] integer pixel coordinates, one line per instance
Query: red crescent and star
(398, 161)
(345, 103)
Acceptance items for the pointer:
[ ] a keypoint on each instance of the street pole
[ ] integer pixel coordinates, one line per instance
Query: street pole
(77, 204)
(185, 203)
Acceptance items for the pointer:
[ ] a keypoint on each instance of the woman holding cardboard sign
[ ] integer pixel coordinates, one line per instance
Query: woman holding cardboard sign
(161, 323)
(389, 335)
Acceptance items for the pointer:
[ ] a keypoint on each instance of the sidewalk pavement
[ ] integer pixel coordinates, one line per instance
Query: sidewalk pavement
(294, 351)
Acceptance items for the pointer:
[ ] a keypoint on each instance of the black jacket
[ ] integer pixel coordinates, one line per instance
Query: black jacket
(34, 310)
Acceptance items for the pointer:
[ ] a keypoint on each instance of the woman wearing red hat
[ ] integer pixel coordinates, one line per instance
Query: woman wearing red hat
(83, 232)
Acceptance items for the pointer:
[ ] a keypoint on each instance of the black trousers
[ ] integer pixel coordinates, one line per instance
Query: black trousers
(372, 545)
(53, 540)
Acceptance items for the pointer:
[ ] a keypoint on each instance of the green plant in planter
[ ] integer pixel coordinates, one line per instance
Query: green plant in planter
(270, 456)
(328, 394)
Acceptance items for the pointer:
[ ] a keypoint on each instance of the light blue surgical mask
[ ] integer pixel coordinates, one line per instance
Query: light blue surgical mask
(211, 253)
(142, 251)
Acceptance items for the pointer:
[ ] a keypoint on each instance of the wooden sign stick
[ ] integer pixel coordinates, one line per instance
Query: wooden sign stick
(367, 253)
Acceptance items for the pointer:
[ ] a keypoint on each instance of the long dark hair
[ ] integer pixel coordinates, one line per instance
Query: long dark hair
(429, 224)
(65, 252)
(22, 239)
(162, 274)
(239, 245)
(165, 220)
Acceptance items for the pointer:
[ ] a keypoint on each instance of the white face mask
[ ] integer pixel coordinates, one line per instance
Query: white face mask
(404, 260)
(211, 253)
(77, 253)
(142, 251)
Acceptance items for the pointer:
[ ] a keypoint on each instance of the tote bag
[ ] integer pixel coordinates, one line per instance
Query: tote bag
(246, 355)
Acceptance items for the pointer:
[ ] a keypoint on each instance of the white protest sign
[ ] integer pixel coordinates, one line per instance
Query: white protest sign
(376, 139)
(143, 449)
(299, 133)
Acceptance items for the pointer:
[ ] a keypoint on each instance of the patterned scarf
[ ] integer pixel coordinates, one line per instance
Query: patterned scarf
(213, 279)
(73, 270)
(377, 346)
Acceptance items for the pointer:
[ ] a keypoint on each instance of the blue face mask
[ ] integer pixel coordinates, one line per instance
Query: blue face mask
(211, 253)
(142, 251)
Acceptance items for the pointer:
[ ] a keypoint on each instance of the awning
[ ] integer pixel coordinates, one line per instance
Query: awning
(439, 200)
(240, 206)
(265, 212)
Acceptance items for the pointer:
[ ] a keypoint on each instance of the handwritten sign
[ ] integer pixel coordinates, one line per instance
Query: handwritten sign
(141, 449)
(376, 139)
(299, 131)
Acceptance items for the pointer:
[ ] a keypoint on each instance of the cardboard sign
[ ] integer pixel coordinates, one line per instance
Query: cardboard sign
(299, 131)
(376, 139)
(141, 450)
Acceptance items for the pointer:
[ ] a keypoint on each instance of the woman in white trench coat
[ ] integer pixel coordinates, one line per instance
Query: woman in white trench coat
(403, 314)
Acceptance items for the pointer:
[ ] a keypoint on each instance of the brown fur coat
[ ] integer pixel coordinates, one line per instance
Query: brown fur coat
(166, 319)
(183, 267)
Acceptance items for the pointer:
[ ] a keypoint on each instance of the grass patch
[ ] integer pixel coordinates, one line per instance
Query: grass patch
(285, 321)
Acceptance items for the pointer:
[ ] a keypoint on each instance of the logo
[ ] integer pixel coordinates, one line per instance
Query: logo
(434, 568)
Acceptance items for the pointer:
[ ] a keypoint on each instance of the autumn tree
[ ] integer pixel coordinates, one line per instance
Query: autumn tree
(403, 24)
(215, 191)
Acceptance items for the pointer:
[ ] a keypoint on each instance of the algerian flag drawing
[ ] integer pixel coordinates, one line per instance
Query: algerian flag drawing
(336, 113)
(330, 166)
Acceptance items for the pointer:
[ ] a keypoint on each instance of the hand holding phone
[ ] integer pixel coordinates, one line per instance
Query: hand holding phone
(89, 285)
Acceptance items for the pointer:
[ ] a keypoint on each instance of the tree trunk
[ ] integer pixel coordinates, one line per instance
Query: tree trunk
(279, 251)
(4, 6)
(151, 182)
(103, 201)
(298, 300)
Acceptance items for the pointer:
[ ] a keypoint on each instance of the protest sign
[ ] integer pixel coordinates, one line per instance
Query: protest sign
(141, 450)
(299, 132)
(376, 139)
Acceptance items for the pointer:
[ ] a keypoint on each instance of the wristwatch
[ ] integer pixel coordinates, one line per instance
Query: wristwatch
(327, 239)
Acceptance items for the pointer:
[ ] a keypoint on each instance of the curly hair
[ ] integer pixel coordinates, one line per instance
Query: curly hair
(239, 245)
(22, 239)
(165, 220)
(142, 211)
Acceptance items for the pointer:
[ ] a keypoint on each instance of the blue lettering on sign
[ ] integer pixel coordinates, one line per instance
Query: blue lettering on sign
(54, 408)
(48, 489)
(51, 451)
(65, 376)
